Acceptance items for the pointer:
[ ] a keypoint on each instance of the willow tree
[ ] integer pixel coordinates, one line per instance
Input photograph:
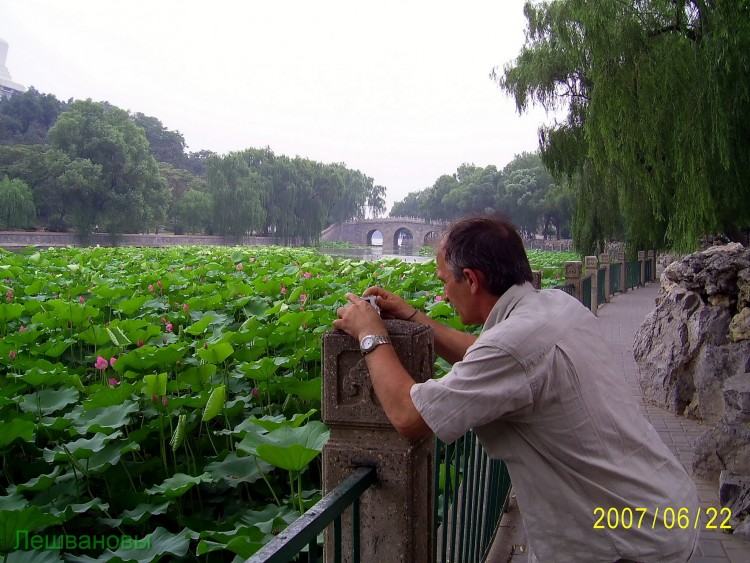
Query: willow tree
(657, 94)
(18, 210)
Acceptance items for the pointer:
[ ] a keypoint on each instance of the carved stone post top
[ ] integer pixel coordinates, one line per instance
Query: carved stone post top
(592, 262)
(348, 396)
(650, 254)
(573, 269)
(621, 257)
(604, 259)
(641, 255)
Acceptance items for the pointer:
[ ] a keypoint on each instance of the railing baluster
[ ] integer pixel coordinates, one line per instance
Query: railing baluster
(355, 531)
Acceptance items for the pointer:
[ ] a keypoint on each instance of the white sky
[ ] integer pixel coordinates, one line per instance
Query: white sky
(397, 89)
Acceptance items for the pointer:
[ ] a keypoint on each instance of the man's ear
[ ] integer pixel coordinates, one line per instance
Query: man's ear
(474, 278)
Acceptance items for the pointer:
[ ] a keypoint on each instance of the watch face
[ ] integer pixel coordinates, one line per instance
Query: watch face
(367, 342)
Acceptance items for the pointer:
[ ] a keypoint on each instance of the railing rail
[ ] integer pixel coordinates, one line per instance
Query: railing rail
(614, 278)
(304, 531)
(586, 291)
(471, 493)
(632, 274)
(601, 285)
(570, 289)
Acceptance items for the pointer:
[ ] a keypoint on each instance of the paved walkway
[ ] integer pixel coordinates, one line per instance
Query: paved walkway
(620, 319)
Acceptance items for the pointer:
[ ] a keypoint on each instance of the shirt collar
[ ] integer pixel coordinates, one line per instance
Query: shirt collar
(506, 303)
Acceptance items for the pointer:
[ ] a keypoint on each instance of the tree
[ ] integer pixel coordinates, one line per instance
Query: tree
(163, 144)
(236, 191)
(410, 206)
(658, 100)
(193, 211)
(26, 118)
(129, 194)
(18, 210)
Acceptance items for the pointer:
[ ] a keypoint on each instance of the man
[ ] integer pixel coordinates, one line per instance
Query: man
(540, 392)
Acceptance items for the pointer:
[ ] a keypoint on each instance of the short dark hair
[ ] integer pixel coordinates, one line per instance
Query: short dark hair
(490, 244)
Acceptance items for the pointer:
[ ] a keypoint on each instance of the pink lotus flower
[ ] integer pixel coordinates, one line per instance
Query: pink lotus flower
(164, 401)
(22, 329)
(12, 355)
(150, 287)
(306, 275)
(239, 266)
(283, 290)
(438, 298)
(159, 284)
(164, 320)
(8, 299)
(81, 299)
(112, 361)
(154, 399)
(169, 327)
(255, 393)
(113, 381)
(251, 259)
(101, 363)
(303, 298)
(140, 343)
(10, 294)
(185, 307)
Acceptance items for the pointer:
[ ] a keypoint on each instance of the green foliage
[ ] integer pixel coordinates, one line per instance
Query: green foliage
(199, 427)
(658, 101)
(524, 191)
(116, 182)
(18, 209)
(26, 118)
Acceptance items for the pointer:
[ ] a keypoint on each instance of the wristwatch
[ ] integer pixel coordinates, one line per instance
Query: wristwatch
(372, 341)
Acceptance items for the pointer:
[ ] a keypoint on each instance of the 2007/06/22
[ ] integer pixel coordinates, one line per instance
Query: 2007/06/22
(671, 518)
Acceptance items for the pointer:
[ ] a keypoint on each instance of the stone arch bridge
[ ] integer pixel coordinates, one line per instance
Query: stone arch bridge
(396, 231)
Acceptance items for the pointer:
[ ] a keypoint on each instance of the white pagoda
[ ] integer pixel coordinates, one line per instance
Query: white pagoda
(7, 86)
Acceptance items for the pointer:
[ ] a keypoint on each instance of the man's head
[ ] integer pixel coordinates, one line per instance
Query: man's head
(490, 245)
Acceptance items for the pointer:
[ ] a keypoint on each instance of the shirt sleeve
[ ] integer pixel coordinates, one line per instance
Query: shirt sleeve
(486, 385)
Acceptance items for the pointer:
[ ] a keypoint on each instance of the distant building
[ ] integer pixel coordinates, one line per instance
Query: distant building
(7, 86)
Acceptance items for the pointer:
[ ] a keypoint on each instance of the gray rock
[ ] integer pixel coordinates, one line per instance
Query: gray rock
(725, 447)
(734, 494)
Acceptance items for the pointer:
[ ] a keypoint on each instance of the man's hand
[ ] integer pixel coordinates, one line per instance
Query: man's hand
(391, 305)
(359, 318)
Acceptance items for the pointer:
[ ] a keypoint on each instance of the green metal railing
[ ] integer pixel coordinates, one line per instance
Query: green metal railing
(632, 274)
(471, 494)
(586, 291)
(614, 278)
(648, 270)
(570, 289)
(601, 290)
(303, 532)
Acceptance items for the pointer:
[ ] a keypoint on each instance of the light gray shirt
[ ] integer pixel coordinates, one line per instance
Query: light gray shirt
(539, 388)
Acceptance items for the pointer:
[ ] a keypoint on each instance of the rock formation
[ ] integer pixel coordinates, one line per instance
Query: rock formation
(693, 354)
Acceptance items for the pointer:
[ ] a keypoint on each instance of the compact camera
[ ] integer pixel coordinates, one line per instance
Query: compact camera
(372, 300)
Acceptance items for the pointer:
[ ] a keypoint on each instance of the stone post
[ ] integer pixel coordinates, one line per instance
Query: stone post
(396, 514)
(621, 258)
(573, 271)
(604, 260)
(642, 260)
(537, 277)
(651, 257)
(591, 268)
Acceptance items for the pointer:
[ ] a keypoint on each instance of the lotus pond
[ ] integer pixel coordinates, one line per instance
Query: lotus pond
(170, 397)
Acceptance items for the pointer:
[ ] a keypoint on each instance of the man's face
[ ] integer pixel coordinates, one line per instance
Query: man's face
(456, 292)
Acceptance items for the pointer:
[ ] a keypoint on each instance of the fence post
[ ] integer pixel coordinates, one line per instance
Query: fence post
(604, 260)
(642, 261)
(592, 267)
(622, 259)
(573, 271)
(396, 521)
(537, 278)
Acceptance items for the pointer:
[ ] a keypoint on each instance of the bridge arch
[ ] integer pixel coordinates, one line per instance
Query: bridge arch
(360, 232)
